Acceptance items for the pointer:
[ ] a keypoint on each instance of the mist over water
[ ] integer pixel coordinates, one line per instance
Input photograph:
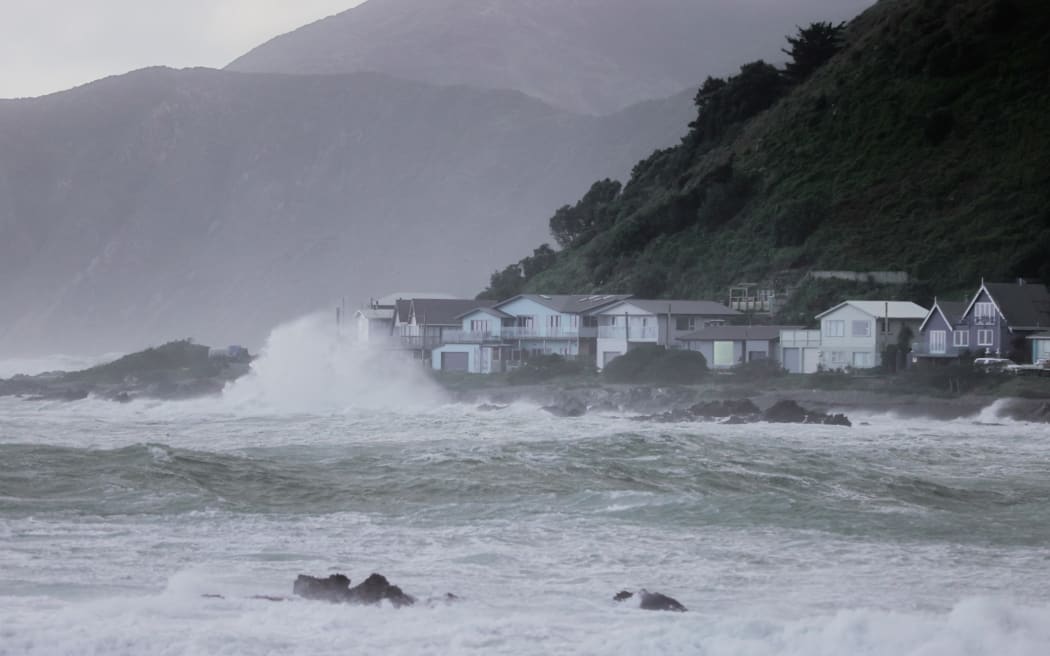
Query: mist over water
(900, 537)
(306, 366)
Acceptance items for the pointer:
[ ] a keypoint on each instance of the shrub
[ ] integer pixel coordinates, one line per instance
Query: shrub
(656, 364)
(758, 371)
(548, 367)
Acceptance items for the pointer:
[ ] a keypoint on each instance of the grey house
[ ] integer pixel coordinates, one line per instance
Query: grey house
(728, 346)
(995, 323)
(943, 336)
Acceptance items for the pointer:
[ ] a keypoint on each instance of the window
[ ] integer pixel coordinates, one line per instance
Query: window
(685, 323)
(554, 321)
(479, 326)
(838, 356)
(938, 341)
(834, 328)
(984, 312)
(574, 321)
(984, 338)
(862, 329)
(960, 338)
(863, 360)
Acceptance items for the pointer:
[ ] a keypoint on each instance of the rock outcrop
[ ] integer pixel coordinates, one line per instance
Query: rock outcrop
(336, 589)
(790, 412)
(652, 600)
(744, 411)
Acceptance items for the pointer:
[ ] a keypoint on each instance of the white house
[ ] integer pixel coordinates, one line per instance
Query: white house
(629, 323)
(855, 333)
(494, 339)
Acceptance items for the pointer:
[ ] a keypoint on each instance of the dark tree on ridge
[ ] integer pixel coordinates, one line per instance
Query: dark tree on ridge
(812, 47)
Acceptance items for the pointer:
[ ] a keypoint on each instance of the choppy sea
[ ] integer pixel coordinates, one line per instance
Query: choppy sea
(894, 537)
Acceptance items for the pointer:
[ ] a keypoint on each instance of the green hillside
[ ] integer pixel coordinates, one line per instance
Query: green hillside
(923, 145)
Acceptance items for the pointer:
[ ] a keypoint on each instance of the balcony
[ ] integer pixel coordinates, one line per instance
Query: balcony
(633, 334)
(547, 332)
(468, 337)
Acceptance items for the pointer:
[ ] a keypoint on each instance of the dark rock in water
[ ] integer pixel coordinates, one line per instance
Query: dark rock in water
(336, 589)
(652, 601)
(212, 595)
(569, 407)
(790, 412)
(375, 589)
(719, 409)
(657, 601)
(786, 412)
(269, 598)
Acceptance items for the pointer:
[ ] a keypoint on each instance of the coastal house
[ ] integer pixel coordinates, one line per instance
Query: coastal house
(943, 335)
(496, 338)
(375, 323)
(854, 334)
(725, 347)
(422, 323)
(1002, 316)
(632, 322)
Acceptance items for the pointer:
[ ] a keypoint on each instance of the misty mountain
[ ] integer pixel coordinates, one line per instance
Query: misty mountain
(592, 56)
(165, 204)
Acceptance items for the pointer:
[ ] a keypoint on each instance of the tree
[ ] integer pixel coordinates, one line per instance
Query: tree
(572, 225)
(812, 47)
(504, 284)
(541, 259)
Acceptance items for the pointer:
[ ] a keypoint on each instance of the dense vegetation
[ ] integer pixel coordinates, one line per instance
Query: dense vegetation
(916, 138)
(656, 364)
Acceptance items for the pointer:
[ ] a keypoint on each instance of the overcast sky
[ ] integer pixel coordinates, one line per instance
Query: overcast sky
(51, 45)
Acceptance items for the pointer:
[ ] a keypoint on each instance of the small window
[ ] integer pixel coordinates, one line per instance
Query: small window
(838, 356)
(862, 329)
(834, 328)
(685, 323)
(961, 338)
(984, 338)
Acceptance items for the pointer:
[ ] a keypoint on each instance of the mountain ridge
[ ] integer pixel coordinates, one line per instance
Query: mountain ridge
(588, 56)
(163, 203)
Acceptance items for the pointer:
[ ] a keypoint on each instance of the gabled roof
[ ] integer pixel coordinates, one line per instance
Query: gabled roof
(486, 310)
(390, 299)
(951, 311)
(436, 311)
(570, 303)
(682, 307)
(737, 333)
(1024, 306)
(883, 309)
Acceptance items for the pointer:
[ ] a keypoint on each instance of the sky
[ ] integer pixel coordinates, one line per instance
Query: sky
(52, 45)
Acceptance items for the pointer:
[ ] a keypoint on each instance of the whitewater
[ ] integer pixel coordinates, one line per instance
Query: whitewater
(895, 537)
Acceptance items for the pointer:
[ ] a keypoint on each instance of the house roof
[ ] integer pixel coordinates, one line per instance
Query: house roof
(1022, 305)
(571, 303)
(883, 309)
(379, 313)
(487, 310)
(390, 299)
(683, 307)
(436, 311)
(951, 311)
(737, 333)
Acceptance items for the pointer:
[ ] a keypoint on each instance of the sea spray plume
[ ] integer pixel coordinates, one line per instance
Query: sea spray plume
(305, 367)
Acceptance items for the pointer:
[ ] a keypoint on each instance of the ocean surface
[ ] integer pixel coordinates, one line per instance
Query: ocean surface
(895, 537)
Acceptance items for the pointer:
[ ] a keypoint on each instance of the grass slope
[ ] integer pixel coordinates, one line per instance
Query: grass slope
(923, 146)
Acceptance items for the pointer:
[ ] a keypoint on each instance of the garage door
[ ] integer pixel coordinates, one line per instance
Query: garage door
(455, 362)
(793, 360)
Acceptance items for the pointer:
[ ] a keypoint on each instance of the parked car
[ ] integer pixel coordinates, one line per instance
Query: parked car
(994, 364)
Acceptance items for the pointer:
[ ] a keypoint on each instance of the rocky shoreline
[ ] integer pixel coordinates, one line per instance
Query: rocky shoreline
(710, 403)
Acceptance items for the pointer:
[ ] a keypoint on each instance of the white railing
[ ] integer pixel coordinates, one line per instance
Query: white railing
(469, 337)
(633, 333)
(545, 332)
